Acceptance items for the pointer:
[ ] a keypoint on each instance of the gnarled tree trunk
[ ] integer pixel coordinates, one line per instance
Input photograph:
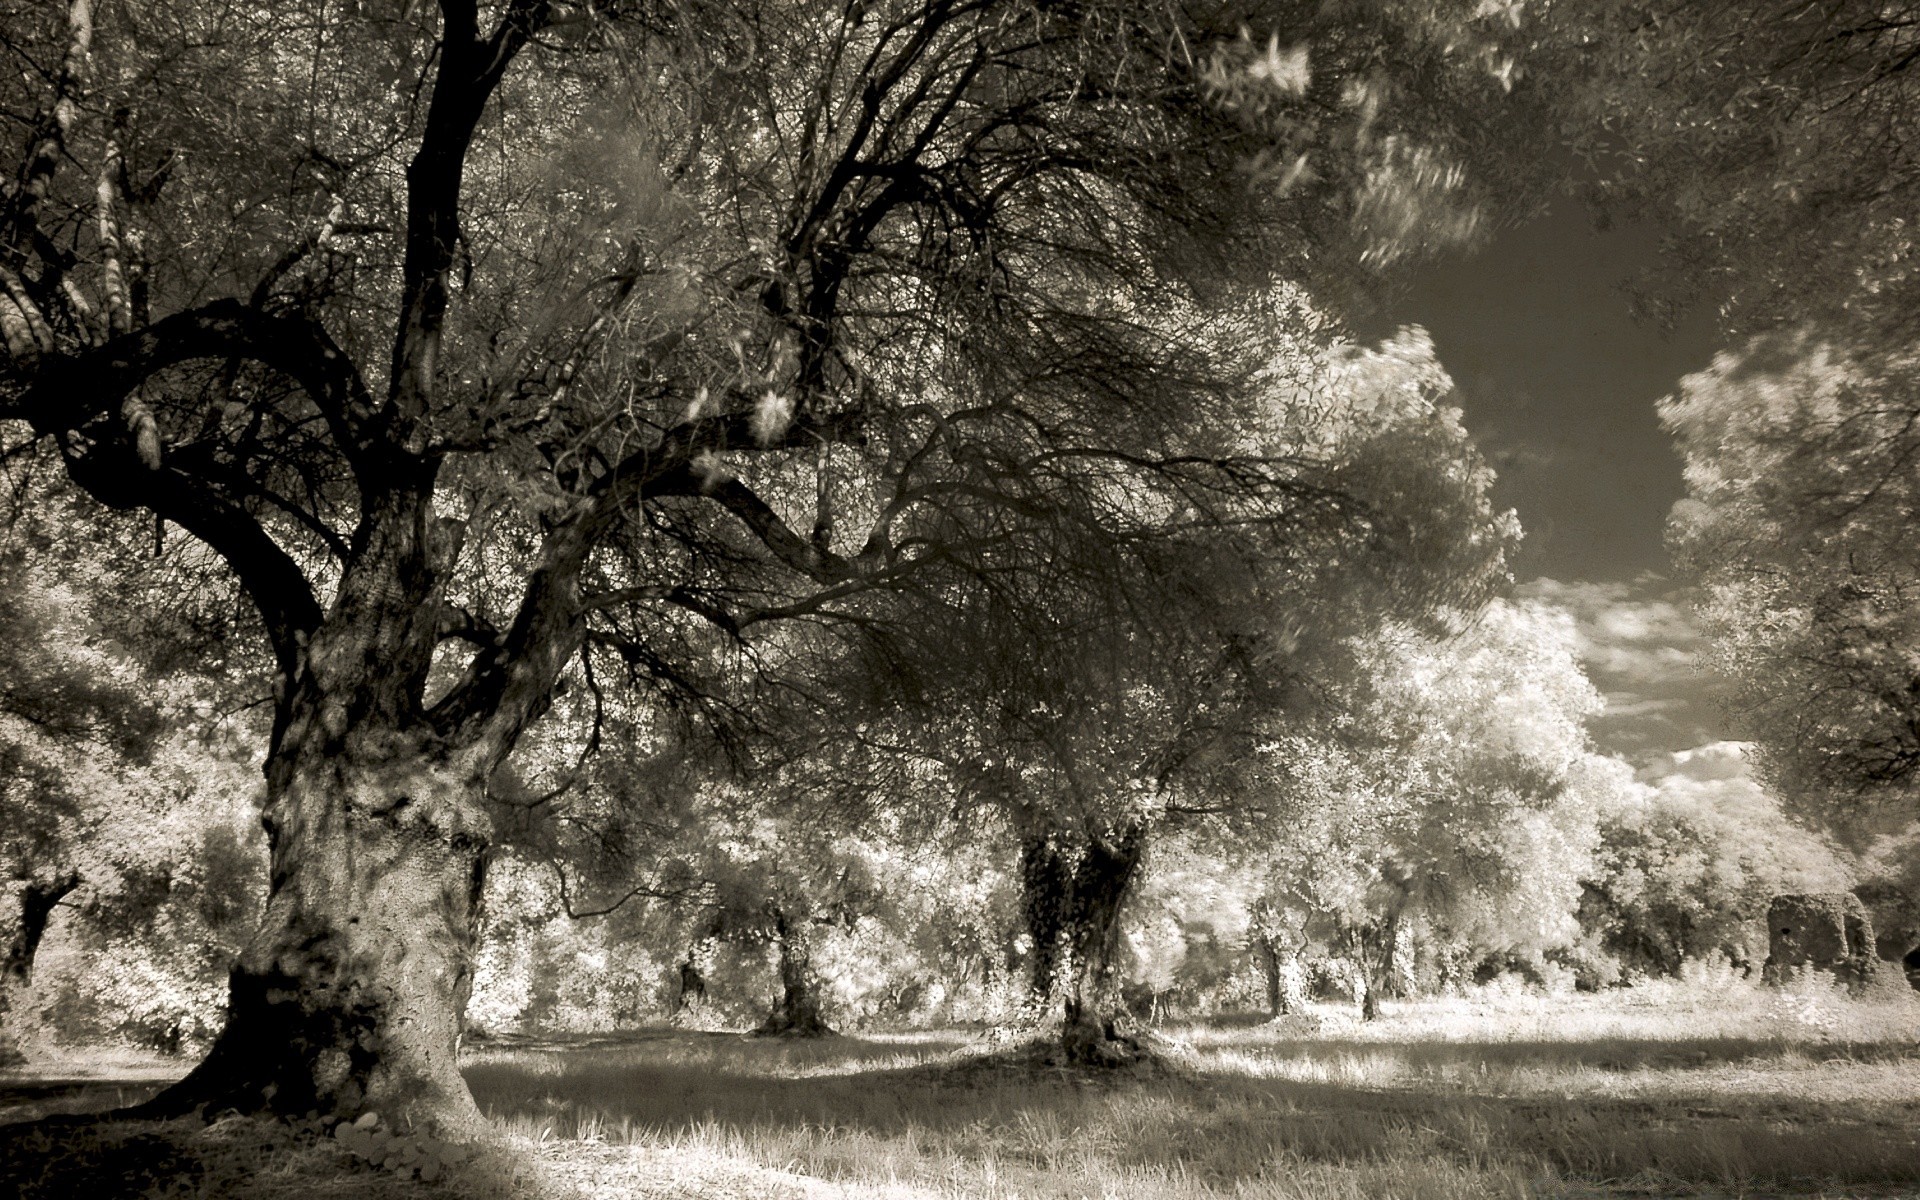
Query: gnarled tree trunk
(1097, 1028)
(1280, 964)
(1046, 895)
(1072, 897)
(1277, 936)
(797, 1012)
(351, 995)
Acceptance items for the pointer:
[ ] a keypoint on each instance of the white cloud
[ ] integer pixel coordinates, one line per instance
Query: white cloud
(1713, 761)
(1641, 648)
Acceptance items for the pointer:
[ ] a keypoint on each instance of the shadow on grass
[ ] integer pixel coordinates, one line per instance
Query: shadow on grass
(1606, 1054)
(847, 1098)
(32, 1100)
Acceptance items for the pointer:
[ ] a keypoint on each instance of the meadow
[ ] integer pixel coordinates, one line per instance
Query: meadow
(1709, 1086)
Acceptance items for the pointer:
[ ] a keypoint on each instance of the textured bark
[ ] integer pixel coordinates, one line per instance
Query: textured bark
(37, 901)
(1376, 945)
(1046, 892)
(797, 1012)
(1280, 963)
(1096, 1031)
(695, 968)
(349, 999)
(692, 988)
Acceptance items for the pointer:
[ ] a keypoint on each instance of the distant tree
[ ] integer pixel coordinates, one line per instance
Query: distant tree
(1686, 867)
(1096, 704)
(1452, 788)
(1774, 141)
(117, 800)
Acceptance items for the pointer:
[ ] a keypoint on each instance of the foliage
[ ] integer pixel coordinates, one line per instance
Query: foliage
(490, 347)
(407, 1153)
(1774, 141)
(1454, 790)
(1688, 864)
(1797, 523)
(126, 815)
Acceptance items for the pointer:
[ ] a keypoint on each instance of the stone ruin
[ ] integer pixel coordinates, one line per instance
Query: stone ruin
(1896, 925)
(1827, 931)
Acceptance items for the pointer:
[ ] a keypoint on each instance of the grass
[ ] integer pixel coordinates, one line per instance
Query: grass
(1711, 1088)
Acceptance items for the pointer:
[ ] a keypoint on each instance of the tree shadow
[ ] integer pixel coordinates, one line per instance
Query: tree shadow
(1226, 1126)
(35, 1099)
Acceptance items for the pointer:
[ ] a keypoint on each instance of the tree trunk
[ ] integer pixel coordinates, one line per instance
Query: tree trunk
(37, 901)
(1095, 1032)
(350, 997)
(797, 1012)
(1377, 945)
(1280, 962)
(693, 986)
(694, 970)
(1046, 894)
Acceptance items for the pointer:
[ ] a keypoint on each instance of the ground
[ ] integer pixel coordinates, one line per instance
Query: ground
(1710, 1088)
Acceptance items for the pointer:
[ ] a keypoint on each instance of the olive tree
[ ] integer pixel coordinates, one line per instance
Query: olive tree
(474, 340)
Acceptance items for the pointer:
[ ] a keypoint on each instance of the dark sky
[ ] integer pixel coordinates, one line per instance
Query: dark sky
(1558, 382)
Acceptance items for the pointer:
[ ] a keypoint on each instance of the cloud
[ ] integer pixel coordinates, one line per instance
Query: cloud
(1628, 631)
(1713, 761)
(1641, 648)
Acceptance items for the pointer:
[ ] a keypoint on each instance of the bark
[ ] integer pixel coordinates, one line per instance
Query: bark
(350, 997)
(693, 986)
(1097, 1029)
(1376, 945)
(1046, 892)
(1280, 962)
(37, 901)
(693, 971)
(797, 1012)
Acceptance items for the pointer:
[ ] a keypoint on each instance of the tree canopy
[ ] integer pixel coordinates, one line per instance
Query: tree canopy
(483, 345)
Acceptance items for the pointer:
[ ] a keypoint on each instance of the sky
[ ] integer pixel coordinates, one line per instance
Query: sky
(1558, 382)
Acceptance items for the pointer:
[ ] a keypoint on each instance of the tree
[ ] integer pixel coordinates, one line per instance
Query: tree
(1775, 141)
(1106, 699)
(1688, 862)
(1801, 499)
(1451, 788)
(472, 342)
(118, 792)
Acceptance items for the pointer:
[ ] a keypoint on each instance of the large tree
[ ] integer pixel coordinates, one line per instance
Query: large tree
(1101, 699)
(1798, 524)
(1775, 143)
(475, 339)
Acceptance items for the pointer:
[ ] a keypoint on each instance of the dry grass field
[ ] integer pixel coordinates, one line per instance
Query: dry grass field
(1709, 1088)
